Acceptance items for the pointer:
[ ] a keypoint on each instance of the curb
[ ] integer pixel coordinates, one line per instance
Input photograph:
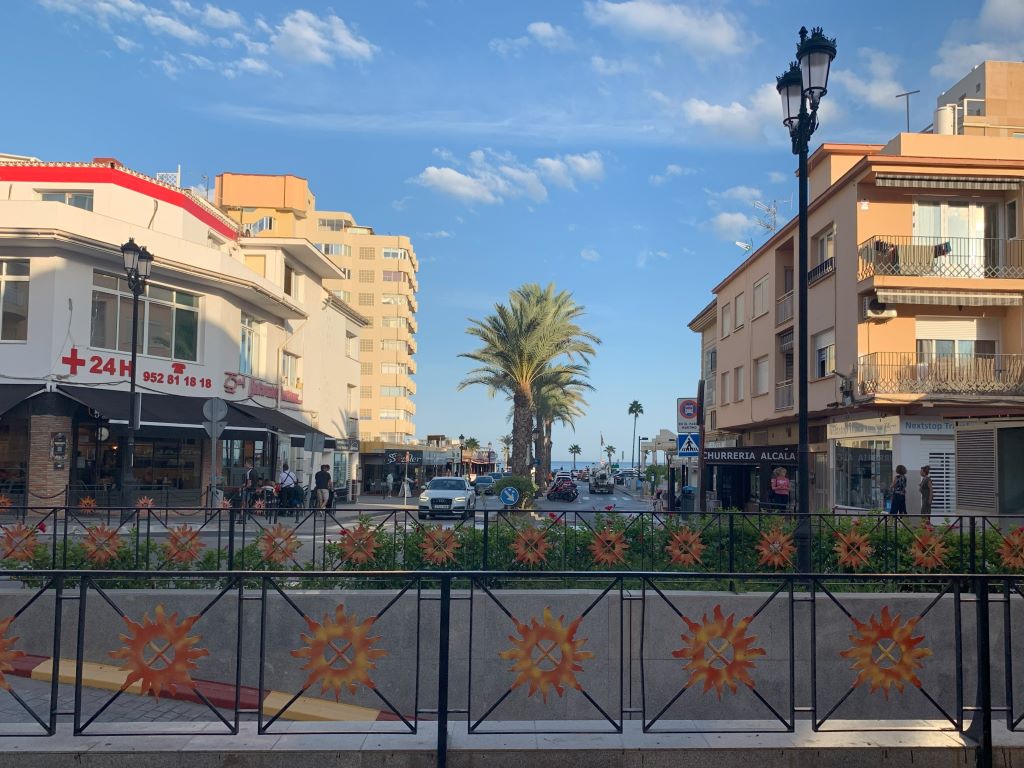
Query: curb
(111, 678)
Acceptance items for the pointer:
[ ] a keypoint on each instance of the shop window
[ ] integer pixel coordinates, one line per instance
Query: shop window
(14, 299)
(863, 472)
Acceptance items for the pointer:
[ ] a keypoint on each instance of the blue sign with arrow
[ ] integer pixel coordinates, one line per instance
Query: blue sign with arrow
(509, 496)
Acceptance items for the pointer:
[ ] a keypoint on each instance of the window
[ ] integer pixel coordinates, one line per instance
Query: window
(365, 369)
(394, 369)
(345, 296)
(824, 346)
(365, 413)
(365, 299)
(261, 224)
(739, 381)
(366, 345)
(394, 298)
(365, 275)
(741, 311)
(761, 375)
(290, 283)
(394, 415)
(367, 254)
(331, 225)
(351, 346)
(392, 345)
(394, 276)
(168, 319)
(824, 247)
(249, 347)
(726, 320)
(257, 263)
(14, 300)
(394, 322)
(289, 369)
(760, 297)
(1011, 220)
(366, 391)
(77, 198)
(710, 361)
(396, 253)
(330, 249)
(394, 392)
(725, 387)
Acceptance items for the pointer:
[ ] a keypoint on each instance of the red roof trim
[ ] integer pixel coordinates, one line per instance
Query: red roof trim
(90, 174)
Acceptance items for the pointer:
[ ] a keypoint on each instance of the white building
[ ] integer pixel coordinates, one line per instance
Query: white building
(249, 322)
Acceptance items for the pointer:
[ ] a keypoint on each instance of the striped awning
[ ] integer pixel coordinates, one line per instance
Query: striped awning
(995, 184)
(949, 298)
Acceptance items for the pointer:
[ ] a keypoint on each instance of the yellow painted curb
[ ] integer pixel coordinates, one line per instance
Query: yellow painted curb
(103, 676)
(309, 708)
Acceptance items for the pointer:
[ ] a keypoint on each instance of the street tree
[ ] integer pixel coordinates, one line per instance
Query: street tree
(574, 451)
(610, 450)
(634, 410)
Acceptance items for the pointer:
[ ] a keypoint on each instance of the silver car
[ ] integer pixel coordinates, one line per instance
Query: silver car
(447, 497)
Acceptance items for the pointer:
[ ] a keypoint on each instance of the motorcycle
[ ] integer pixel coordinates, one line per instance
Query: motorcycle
(563, 491)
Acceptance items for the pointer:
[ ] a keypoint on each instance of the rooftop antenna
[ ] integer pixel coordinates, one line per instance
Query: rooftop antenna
(746, 246)
(770, 220)
(907, 96)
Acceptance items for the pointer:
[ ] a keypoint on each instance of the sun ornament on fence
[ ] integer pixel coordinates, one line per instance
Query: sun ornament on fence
(1011, 550)
(5, 501)
(183, 545)
(885, 652)
(160, 653)
(18, 543)
(101, 544)
(530, 546)
(278, 544)
(87, 503)
(853, 549)
(609, 547)
(8, 654)
(359, 545)
(547, 655)
(776, 549)
(439, 545)
(339, 652)
(719, 653)
(684, 547)
(144, 502)
(928, 550)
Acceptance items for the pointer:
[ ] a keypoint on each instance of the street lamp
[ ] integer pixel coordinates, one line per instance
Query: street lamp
(801, 88)
(640, 460)
(534, 452)
(138, 264)
(462, 464)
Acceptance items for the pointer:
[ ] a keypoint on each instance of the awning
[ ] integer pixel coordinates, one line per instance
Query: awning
(279, 422)
(14, 394)
(991, 184)
(948, 298)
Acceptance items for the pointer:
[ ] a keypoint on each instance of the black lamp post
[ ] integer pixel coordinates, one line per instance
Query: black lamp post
(535, 453)
(639, 459)
(801, 89)
(462, 463)
(138, 263)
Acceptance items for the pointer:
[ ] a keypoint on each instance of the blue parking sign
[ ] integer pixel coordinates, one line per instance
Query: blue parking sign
(509, 496)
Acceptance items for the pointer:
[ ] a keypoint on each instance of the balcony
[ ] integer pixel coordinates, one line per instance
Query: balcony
(952, 257)
(910, 373)
(784, 308)
(784, 395)
(821, 271)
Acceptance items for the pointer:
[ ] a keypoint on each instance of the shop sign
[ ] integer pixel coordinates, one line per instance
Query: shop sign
(413, 458)
(350, 444)
(752, 454)
(889, 425)
(173, 374)
(242, 384)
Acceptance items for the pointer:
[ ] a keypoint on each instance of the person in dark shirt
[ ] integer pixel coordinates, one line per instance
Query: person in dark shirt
(323, 484)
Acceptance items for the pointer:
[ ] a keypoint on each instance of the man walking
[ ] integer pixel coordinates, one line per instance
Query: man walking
(288, 483)
(323, 484)
(248, 484)
(926, 491)
(389, 483)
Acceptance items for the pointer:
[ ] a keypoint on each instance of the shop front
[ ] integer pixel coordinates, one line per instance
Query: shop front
(740, 477)
(394, 463)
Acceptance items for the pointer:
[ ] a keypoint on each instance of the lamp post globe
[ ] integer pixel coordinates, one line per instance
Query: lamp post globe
(130, 253)
(791, 89)
(815, 54)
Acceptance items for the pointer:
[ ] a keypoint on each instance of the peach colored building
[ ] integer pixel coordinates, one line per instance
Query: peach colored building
(916, 277)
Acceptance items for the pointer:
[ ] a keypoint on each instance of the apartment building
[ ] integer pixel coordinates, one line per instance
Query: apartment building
(916, 285)
(378, 278)
(223, 316)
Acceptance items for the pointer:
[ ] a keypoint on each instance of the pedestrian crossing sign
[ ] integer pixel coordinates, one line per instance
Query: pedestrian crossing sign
(688, 444)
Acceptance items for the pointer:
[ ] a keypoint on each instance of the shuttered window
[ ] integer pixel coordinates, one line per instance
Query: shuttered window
(976, 471)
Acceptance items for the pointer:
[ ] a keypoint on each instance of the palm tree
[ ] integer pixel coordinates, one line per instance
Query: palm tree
(610, 450)
(558, 397)
(471, 444)
(534, 334)
(634, 410)
(506, 442)
(574, 451)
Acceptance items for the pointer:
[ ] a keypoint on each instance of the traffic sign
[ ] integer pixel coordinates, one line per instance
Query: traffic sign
(215, 409)
(214, 428)
(688, 444)
(687, 414)
(509, 495)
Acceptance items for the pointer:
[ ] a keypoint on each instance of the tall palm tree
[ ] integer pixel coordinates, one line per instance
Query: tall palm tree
(506, 442)
(536, 332)
(558, 397)
(610, 450)
(574, 451)
(634, 410)
(471, 444)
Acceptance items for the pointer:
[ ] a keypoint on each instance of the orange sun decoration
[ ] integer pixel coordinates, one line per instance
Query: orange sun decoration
(359, 545)
(183, 544)
(144, 502)
(929, 549)
(547, 655)
(87, 503)
(18, 542)
(885, 652)
(853, 549)
(1011, 550)
(339, 652)
(776, 548)
(5, 501)
(278, 544)
(160, 653)
(719, 652)
(101, 544)
(439, 545)
(530, 546)
(609, 547)
(685, 547)
(7, 653)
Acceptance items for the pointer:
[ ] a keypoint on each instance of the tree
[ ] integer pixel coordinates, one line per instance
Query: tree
(634, 410)
(506, 442)
(471, 444)
(610, 450)
(574, 451)
(558, 397)
(536, 333)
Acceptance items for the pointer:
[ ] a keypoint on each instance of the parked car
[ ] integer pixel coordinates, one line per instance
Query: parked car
(563, 475)
(484, 485)
(624, 476)
(447, 497)
(498, 475)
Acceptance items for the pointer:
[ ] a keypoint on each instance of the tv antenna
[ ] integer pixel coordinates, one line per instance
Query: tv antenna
(770, 220)
(907, 96)
(745, 245)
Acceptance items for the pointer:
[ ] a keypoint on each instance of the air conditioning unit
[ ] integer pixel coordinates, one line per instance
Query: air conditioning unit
(878, 312)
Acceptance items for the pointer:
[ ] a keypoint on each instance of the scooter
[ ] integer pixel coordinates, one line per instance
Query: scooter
(564, 491)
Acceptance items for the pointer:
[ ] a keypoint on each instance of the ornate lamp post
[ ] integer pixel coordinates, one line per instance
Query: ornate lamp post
(801, 89)
(138, 263)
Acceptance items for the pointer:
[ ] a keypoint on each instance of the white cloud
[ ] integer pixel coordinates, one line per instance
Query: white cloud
(509, 46)
(169, 65)
(555, 171)
(221, 18)
(199, 62)
(694, 29)
(184, 7)
(246, 66)
(565, 170)
(647, 256)
(451, 182)
(612, 67)
(125, 44)
(741, 120)
(304, 36)
(671, 171)
(528, 180)
(879, 89)
(161, 23)
(732, 225)
(743, 193)
(589, 166)
(997, 34)
(549, 35)
(777, 177)
(255, 47)
(402, 203)
(590, 254)
(441, 234)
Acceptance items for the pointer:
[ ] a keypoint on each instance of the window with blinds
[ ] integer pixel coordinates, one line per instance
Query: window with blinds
(976, 471)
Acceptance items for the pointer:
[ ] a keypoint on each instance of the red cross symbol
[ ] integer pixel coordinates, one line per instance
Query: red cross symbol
(73, 361)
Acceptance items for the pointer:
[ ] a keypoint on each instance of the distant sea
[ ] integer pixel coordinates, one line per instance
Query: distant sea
(566, 464)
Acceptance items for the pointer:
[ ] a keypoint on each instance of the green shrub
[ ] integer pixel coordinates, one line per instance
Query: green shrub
(526, 487)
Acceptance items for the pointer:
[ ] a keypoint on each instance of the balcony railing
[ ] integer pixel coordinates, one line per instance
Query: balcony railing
(816, 273)
(956, 257)
(784, 308)
(784, 395)
(938, 374)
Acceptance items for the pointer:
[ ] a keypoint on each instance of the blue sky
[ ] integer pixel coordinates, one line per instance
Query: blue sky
(614, 147)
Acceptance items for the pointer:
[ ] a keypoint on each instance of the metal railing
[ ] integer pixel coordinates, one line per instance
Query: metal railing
(816, 273)
(939, 374)
(784, 308)
(954, 257)
(784, 395)
(496, 652)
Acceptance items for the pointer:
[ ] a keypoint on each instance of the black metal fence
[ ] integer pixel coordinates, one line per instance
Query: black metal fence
(487, 652)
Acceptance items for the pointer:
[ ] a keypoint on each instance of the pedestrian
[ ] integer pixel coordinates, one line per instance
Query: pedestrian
(389, 483)
(780, 488)
(288, 482)
(323, 483)
(249, 484)
(926, 491)
(405, 489)
(898, 505)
